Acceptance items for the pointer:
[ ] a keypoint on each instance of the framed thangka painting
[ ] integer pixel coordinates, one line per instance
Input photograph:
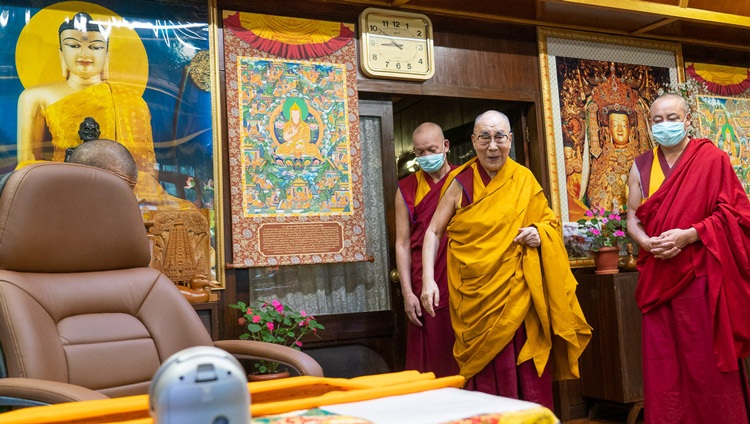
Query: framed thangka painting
(136, 72)
(722, 111)
(597, 90)
(293, 141)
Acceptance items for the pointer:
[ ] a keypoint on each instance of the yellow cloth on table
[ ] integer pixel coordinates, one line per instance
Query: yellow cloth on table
(496, 285)
(134, 409)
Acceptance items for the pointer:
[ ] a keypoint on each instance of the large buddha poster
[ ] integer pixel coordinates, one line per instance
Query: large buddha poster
(136, 72)
(293, 141)
(143, 77)
(597, 90)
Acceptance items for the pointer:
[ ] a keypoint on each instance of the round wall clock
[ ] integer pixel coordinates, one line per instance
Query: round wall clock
(396, 44)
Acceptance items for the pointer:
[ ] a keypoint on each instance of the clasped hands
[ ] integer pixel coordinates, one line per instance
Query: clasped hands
(669, 243)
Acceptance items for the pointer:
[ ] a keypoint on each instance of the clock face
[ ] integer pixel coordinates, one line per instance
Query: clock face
(396, 45)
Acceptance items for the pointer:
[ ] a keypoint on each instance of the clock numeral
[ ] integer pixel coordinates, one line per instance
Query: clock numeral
(372, 42)
(374, 57)
(373, 28)
(408, 66)
(420, 61)
(419, 33)
(398, 65)
(396, 24)
(387, 62)
(420, 47)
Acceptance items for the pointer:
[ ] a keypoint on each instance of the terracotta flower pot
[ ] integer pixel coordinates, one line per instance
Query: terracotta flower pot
(607, 259)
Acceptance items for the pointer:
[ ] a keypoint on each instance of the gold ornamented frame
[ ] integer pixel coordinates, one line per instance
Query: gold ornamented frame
(617, 51)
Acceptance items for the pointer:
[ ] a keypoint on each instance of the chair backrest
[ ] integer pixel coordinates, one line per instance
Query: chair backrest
(78, 303)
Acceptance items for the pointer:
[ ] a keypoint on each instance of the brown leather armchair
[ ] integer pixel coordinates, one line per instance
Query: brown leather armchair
(81, 314)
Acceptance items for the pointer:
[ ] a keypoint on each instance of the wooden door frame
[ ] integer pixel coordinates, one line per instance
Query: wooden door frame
(383, 109)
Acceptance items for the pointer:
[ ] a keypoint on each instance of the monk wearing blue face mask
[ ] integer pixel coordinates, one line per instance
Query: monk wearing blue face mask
(429, 340)
(690, 215)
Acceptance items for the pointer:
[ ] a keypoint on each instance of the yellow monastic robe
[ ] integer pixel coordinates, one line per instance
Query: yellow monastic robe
(496, 285)
(123, 116)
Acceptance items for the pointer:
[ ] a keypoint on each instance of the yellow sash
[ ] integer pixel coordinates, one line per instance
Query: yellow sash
(423, 187)
(657, 175)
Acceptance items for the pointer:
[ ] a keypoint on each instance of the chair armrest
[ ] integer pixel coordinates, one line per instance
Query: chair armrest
(30, 391)
(249, 349)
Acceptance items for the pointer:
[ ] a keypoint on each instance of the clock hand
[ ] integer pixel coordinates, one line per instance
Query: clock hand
(394, 44)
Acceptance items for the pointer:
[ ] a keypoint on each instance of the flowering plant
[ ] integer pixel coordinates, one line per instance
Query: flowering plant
(272, 322)
(605, 228)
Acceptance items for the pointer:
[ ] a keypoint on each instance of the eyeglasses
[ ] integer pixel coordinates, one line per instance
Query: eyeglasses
(484, 139)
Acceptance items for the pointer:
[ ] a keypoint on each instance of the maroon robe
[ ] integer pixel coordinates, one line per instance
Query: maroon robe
(428, 348)
(502, 376)
(696, 305)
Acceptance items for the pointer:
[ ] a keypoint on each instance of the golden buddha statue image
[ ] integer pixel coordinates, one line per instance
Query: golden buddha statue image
(49, 113)
(297, 134)
(617, 132)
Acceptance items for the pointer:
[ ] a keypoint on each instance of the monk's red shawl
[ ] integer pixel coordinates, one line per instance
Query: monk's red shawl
(703, 192)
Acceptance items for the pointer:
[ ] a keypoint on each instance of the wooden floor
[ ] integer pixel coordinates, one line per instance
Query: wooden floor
(609, 414)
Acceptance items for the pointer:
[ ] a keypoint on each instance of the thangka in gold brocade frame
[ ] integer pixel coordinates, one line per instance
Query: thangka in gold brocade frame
(293, 141)
(597, 90)
(719, 98)
(726, 121)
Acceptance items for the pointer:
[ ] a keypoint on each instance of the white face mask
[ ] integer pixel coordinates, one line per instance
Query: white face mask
(668, 133)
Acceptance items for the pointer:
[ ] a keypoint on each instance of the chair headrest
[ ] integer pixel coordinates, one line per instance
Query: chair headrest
(63, 217)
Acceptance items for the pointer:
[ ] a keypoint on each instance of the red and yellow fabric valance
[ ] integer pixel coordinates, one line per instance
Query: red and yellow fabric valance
(718, 79)
(289, 38)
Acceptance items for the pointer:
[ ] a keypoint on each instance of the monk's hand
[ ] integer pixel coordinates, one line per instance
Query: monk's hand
(412, 308)
(430, 296)
(528, 236)
(670, 243)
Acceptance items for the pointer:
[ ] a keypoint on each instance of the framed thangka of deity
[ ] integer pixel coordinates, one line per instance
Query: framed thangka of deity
(293, 141)
(597, 90)
(722, 111)
(136, 72)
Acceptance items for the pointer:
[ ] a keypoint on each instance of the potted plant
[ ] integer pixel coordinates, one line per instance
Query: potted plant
(606, 230)
(272, 322)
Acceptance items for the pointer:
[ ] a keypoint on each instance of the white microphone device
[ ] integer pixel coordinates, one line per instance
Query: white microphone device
(200, 385)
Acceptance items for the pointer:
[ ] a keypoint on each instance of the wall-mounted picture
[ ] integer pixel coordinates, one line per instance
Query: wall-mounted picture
(121, 70)
(295, 153)
(726, 121)
(597, 90)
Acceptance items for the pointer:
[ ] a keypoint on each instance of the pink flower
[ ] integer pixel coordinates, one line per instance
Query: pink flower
(279, 307)
(298, 343)
(596, 232)
(605, 220)
(614, 216)
(269, 325)
(242, 321)
(619, 233)
(249, 310)
(303, 313)
(256, 318)
(589, 213)
(601, 211)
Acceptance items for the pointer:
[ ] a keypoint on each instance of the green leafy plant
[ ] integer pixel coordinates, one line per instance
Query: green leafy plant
(604, 228)
(272, 322)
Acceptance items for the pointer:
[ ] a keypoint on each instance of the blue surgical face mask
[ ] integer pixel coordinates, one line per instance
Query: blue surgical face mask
(668, 133)
(431, 163)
